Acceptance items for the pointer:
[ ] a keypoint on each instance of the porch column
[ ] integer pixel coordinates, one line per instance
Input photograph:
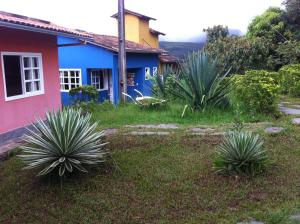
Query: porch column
(116, 81)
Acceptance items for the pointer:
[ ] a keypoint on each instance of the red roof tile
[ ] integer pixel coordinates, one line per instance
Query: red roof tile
(167, 58)
(135, 14)
(112, 43)
(11, 20)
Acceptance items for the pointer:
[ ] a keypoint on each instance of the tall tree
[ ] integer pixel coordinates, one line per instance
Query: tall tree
(293, 10)
(216, 32)
(270, 25)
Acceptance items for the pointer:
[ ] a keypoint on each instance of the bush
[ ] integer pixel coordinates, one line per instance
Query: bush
(84, 97)
(241, 54)
(67, 141)
(240, 153)
(256, 91)
(290, 78)
(295, 90)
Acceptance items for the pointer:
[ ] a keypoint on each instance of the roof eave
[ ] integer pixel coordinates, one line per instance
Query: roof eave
(40, 30)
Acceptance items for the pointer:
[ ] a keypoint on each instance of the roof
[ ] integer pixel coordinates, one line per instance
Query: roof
(167, 58)
(155, 32)
(112, 43)
(141, 16)
(36, 25)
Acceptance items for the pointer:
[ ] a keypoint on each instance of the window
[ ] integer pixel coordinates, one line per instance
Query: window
(130, 78)
(99, 79)
(147, 73)
(69, 79)
(23, 76)
(154, 71)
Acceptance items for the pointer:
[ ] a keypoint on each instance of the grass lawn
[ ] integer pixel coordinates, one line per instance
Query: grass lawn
(132, 114)
(166, 179)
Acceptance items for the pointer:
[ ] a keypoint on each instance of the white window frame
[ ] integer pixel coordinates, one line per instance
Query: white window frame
(69, 77)
(146, 78)
(105, 79)
(41, 79)
(154, 71)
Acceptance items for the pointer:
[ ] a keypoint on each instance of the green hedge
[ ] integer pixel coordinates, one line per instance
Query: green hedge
(256, 91)
(290, 79)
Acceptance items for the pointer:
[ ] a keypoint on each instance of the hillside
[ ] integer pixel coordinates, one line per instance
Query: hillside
(181, 49)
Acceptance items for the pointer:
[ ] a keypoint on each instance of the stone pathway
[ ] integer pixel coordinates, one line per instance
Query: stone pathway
(251, 222)
(152, 126)
(289, 110)
(147, 133)
(296, 121)
(274, 130)
(110, 131)
(295, 217)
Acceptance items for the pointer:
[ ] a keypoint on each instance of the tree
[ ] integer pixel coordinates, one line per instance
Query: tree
(241, 54)
(293, 10)
(292, 14)
(270, 25)
(216, 32)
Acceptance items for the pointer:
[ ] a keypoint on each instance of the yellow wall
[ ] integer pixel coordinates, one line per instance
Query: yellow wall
(137, 30)
(132, 29)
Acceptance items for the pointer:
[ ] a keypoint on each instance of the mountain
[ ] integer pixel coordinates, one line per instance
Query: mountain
(201, 37)
(195, 43)
(181, 49)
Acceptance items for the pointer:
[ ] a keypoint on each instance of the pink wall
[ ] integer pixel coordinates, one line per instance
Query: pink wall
(21, 112)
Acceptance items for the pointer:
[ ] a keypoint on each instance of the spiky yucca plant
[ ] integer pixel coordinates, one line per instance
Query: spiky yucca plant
(241, 152)
(199, 84)
(67, 141)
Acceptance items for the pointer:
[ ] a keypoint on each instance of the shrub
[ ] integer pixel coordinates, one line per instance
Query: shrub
(295, 90)
(84, 93)
(256, 91)
(84, 97)
(290, 77)
(162, 83)
(67, 141)
(240, 153)
(241, 54)
(199, 85)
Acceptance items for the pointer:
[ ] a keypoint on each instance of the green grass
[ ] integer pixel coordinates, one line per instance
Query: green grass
(162, 180)
(132, 114)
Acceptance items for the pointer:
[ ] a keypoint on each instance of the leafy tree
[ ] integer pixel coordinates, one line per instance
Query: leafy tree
(216, 32)
(292, 15)
(287, 53)
(240, 54)
(293, 10)
(270, 25)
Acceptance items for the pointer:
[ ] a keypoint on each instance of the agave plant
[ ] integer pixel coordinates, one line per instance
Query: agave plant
(67, 141)
(199, 84)
(241, 152)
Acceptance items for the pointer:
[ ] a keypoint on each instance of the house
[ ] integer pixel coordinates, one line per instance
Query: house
(95, 62)
(29, 83)
(137, 29)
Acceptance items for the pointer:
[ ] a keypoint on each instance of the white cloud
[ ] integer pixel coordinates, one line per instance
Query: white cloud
(178, 19)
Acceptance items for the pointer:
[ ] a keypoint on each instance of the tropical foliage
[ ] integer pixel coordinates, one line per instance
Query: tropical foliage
(256, 91)
(240, 153)
(216, 32)
(290, 79)
(67, 141)
(198, 84)
(240, 53)
(270, 25)
(84, 97)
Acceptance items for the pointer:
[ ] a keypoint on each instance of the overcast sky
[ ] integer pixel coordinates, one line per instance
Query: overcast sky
(179, 19)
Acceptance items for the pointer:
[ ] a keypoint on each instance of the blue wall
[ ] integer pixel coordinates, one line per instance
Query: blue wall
(87, 57)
